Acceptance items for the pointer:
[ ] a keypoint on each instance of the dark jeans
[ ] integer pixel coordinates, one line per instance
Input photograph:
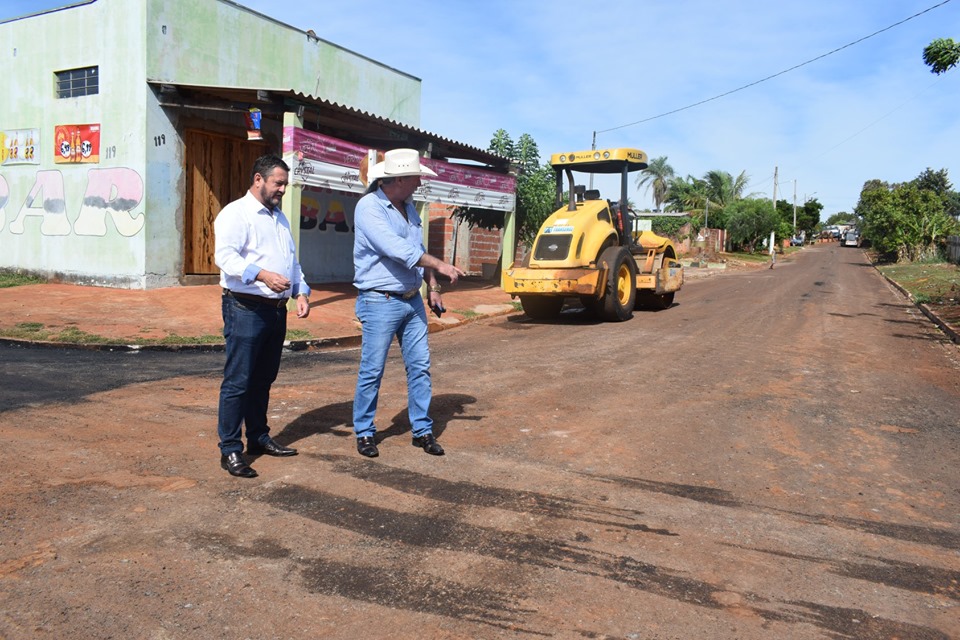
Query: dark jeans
(254, 335)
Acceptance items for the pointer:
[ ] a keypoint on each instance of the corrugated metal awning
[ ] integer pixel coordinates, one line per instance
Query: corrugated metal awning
(326, 117)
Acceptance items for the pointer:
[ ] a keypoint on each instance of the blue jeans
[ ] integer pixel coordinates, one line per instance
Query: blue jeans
(383, 318)
(254, 335)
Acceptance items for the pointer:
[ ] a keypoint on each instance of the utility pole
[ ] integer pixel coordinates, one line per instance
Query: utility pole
(794, 206)
(593, 147)
(774, 210)
(775, 188)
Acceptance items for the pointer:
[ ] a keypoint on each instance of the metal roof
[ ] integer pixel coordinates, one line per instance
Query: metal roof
(326, 117)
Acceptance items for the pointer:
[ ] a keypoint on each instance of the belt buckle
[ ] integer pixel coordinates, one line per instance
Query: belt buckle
(409, 294)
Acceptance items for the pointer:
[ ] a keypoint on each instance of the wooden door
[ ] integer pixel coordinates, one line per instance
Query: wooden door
(218, 172)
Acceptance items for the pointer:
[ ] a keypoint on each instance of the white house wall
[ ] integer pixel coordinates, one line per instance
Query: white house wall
(120, 221)
(81, 221)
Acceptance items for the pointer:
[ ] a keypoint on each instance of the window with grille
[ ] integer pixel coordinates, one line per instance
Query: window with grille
(78, 82)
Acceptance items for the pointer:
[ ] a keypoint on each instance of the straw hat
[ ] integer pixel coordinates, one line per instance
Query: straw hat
(398, 163)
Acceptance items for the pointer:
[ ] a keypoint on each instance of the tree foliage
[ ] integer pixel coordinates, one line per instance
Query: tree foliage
(941, 55)
(708, 197)
(908, 221)
(535, 188)
(842, 217)
(656, 177)
(750, 220)
(808, 216)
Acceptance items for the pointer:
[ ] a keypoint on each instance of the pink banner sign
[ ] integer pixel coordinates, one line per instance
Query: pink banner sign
(329, 163)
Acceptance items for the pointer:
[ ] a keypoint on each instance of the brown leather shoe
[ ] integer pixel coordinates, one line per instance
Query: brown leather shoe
(236, 465)
(429, 444)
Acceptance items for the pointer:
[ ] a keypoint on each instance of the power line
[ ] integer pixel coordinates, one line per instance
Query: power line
(780, 73)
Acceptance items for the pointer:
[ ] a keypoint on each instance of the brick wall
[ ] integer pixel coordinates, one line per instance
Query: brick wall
(474, 247)
(484, 248)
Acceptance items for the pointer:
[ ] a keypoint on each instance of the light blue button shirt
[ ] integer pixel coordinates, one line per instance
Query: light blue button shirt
(249, 237)
(386, 247)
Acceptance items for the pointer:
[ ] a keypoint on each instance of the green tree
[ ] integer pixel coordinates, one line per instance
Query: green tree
(842, 217)
(706, 198)
(939, 183)
(685, 194)
(501, 144)
(656, 177)
(904, 222)
(535, 188)
(723, 189)
(808, 216)
(750, 220)
(941, 55)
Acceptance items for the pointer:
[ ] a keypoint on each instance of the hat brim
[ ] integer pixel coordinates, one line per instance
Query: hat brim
(379, 171)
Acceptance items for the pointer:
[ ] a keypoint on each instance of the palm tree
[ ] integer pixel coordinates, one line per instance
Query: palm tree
(685, 194)
(656, 176)
(723, 189)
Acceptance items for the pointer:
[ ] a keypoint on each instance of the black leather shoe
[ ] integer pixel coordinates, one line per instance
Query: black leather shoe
(429, 444)
(367, 446)
(270, 448)
(236, 465)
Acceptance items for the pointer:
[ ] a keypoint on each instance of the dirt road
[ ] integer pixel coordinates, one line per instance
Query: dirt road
(776, 456)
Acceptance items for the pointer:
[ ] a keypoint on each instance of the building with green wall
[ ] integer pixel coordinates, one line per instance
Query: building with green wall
(123, 129)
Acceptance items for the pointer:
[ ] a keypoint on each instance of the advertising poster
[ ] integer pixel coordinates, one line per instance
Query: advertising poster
(19, 146)
(75, 143)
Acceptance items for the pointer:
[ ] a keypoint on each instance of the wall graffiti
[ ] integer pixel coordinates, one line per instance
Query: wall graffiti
(115, 192)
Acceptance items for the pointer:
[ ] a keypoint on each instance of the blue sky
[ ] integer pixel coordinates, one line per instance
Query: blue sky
(560, 70)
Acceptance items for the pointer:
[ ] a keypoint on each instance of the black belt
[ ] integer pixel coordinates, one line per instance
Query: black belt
(249, 297)
(404, 295)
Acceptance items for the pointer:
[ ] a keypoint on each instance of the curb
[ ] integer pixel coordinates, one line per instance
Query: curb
(949, 331)
(312, 344)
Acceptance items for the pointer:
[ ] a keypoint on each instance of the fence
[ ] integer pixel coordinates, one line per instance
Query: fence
(953, 249)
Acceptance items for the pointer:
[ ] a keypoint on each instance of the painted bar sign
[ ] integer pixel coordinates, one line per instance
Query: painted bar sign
(76, 143)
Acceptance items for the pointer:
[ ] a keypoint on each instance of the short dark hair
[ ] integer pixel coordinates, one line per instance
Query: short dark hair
(265, 164)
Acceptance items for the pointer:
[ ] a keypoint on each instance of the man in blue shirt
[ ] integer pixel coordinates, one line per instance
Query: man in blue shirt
(390, 264)
(259, 273)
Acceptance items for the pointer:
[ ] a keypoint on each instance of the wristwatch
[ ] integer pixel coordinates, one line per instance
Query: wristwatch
(435, 288)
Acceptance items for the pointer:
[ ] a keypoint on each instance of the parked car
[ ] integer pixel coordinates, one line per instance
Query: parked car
(851, 238)
(796, 241)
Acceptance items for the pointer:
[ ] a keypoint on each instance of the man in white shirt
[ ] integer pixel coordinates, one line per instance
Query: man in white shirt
(259, 273)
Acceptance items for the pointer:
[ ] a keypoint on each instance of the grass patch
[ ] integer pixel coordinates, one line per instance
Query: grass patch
(517, 305)
(174, 339)
(26, 331)
(37, 332)
(14, 279)
(72, 335)
(468, 314)
(743, 256)
(298, 334)
(937, 283)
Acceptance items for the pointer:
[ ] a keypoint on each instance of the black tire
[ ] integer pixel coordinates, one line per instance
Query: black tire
(593, 306)
(653, 301)
(542, 307)
(620, 293)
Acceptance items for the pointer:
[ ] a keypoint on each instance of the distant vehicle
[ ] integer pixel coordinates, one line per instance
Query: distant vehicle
(831, 232)
(796, 241)
(851, 238)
